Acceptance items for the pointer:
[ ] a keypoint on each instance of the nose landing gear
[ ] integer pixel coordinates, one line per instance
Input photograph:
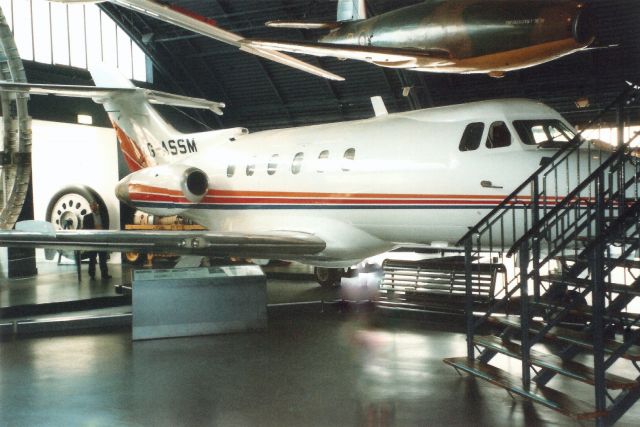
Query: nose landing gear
(328, 277)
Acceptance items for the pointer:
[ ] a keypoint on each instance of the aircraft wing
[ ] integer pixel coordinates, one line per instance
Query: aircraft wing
(378, 55)
(280, 245)
(97, 93)
(208, 27)
(303, 25)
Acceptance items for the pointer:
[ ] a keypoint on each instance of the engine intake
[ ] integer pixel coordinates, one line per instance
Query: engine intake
(196, 184)
(584, 26)
(165, 189)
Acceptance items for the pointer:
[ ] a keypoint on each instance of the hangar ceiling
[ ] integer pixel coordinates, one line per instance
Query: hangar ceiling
(261, 94)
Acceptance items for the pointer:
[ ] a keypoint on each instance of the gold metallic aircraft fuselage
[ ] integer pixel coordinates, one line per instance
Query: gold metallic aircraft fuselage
(473, 36)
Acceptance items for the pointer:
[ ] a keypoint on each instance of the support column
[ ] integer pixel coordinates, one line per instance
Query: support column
(469, 296)
(523, 258)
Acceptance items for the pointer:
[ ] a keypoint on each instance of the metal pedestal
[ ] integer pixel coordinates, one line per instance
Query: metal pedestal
(198, 301)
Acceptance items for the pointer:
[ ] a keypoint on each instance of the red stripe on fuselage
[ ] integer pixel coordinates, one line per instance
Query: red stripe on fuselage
(146, 193)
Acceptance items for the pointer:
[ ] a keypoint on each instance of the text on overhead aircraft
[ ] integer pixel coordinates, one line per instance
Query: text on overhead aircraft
(452, 36)
(327, 195)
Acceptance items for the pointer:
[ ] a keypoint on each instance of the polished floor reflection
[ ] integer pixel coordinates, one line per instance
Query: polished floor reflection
(352, 367)
(308, 369)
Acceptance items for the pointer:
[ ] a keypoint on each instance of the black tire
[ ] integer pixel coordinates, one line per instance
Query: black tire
(327, 277)
(68, 206)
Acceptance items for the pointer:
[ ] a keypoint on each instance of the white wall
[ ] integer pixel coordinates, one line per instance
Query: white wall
(65, 155)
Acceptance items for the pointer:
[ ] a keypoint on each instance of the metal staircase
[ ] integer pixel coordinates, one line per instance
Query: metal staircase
(573, 230)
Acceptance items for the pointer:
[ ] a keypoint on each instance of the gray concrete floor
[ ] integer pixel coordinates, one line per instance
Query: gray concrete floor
(309, 368)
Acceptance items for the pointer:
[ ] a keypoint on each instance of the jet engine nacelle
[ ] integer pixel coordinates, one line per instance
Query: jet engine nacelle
(583, 26)
(164, 190)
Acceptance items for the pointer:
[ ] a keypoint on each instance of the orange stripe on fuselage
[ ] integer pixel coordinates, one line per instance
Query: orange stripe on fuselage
(228, 196)
(143, 188)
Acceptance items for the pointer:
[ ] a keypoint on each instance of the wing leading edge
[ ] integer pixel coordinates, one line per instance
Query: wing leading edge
(98, 94)
(279, 245)
(208, 27)
(390, 57)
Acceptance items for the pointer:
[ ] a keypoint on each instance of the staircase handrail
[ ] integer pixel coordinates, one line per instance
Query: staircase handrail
(535, 228)
(573, 145)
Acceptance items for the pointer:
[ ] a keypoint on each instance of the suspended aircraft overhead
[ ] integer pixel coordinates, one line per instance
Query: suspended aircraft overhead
(462, 36)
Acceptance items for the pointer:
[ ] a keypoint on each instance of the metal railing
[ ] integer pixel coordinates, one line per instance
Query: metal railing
(571, 212)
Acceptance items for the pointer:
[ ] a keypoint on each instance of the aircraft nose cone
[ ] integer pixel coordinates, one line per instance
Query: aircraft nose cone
(122, 190)
(584, 25)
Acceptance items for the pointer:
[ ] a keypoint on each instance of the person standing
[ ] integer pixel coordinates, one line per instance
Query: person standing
(91, 221)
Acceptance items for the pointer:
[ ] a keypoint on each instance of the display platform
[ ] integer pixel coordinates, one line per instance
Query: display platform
(183, 302)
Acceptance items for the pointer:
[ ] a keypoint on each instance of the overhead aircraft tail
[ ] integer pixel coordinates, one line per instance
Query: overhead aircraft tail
(351, 10)
(348, 10)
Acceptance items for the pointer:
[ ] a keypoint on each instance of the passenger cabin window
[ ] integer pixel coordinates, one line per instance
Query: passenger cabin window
(544, 133)
(273, 164)
(251, 168)
(471, 137)
(322, 160)
(348, 158)
(499, 135)
(231, 170)
(296, 165)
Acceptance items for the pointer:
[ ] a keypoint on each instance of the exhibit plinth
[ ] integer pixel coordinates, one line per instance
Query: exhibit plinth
(198, 301)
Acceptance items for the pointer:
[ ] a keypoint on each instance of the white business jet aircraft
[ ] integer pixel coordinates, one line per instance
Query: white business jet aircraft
(326, 195)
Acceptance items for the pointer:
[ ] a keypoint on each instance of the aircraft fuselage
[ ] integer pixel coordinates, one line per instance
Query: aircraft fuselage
(363, 187)
(476, 36)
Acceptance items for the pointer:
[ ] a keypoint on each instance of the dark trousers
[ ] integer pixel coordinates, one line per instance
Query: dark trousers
(102, 258)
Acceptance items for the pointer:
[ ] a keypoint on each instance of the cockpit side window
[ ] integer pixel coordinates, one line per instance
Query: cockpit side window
(547, 133)
(471, 137)
(498, 136)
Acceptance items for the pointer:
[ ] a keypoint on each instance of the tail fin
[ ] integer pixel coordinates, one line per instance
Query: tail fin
(146, 139)
(351, 10)
(139, 127)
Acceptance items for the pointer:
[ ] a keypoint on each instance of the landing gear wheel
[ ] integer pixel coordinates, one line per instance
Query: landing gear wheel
(327, 277)
(68, 207)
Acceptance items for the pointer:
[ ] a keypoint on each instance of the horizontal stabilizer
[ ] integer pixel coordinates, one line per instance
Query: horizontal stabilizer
(100, 94)
(302, 25)
(377, 55)
(601, 46)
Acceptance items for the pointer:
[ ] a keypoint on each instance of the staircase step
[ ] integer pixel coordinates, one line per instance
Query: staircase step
(544, 395)
(570, 258)
(627, 263)
(623, 289)
(569, 336)
(582, 314)
(570, 368)
(584, 283)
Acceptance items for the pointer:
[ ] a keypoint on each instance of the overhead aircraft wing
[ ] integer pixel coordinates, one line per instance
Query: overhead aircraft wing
(208, 27)
(303, 25)
(377, 55)
(98, 93)
(280, 245)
